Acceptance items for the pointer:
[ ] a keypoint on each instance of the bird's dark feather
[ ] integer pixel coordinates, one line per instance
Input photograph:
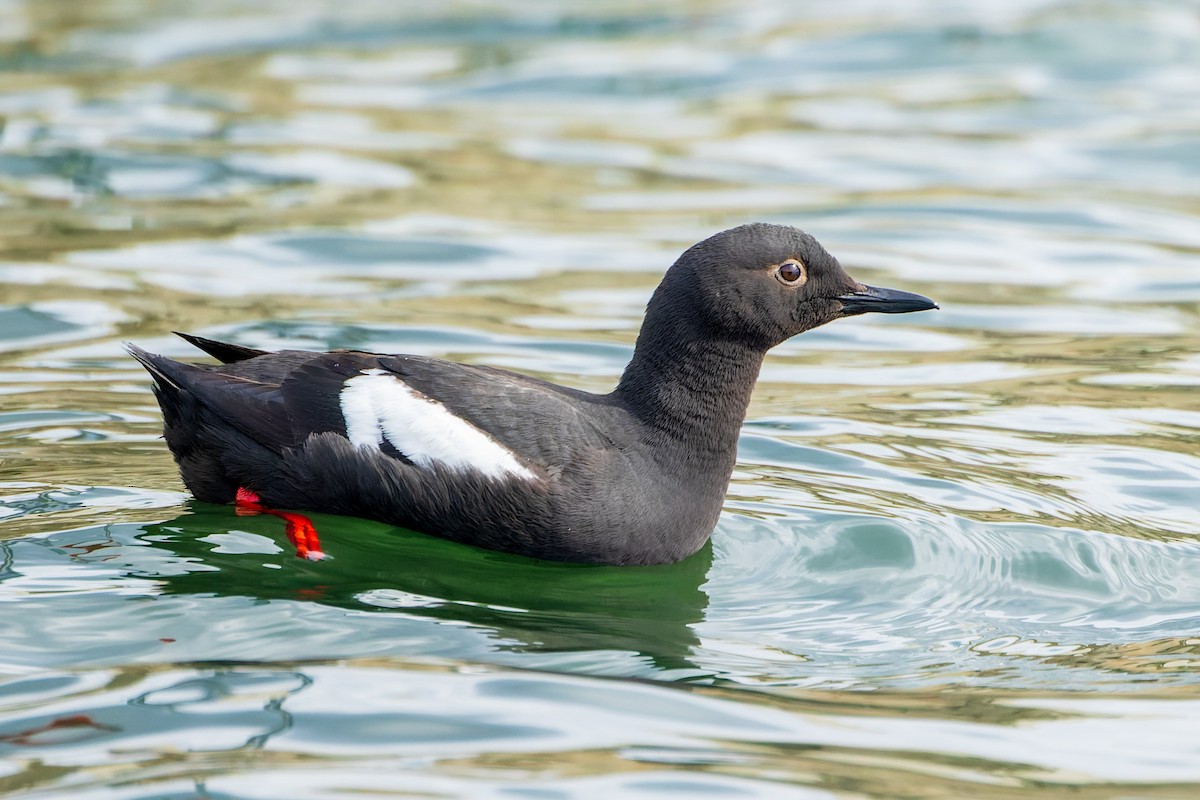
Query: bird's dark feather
(225, 352)
(636, 476)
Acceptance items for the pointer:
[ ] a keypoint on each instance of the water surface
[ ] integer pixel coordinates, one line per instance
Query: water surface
(961, 550)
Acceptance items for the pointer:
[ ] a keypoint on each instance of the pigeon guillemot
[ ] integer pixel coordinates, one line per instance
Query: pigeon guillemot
(506, 461)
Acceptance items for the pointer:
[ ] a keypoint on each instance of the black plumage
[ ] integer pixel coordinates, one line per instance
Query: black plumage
(636, 476)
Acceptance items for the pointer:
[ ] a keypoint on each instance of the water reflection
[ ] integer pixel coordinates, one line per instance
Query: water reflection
(527, 605)
(465, 731)
(507, 603)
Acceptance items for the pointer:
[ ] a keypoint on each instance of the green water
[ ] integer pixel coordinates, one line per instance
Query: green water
(960, 552)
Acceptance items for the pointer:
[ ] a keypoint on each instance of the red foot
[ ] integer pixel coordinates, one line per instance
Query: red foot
(245, 497)
(300, 530)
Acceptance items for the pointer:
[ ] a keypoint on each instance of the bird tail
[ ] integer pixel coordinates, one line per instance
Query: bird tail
(224, 352)
(156, 365)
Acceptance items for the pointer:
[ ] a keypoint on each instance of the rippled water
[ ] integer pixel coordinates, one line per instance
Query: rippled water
(960, 553)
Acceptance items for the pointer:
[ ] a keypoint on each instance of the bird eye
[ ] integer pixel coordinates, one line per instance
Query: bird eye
(790, 272)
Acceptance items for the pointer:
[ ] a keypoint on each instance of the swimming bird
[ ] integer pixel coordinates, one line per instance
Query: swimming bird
(506, 461)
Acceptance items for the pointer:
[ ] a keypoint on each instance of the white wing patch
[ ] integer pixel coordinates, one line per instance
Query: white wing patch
(378, 405)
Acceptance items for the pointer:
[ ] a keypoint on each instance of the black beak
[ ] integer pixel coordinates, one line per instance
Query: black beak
(884, 301)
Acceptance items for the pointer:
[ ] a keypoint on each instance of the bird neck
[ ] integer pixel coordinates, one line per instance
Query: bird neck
(688, 388)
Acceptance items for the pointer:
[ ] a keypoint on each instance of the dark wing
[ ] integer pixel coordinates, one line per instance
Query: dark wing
(312, 391)
(532, 418)
(281, 399)
(539, 420)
